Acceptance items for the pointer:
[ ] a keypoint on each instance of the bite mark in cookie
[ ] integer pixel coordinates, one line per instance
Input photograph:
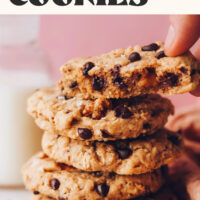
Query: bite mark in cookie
(132, 77)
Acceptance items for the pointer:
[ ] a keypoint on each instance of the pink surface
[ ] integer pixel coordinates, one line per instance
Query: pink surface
(67, 36)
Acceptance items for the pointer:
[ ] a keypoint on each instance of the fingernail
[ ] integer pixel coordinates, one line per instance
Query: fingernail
(170, 37)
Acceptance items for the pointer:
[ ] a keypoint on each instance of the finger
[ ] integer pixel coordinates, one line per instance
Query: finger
(196, 50)
(197, 55)
(183, 33)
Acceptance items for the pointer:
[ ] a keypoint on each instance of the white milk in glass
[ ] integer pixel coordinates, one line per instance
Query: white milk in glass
(19, 136)
(23, 69)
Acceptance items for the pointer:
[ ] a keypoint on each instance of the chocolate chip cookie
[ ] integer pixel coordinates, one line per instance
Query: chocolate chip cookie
(123, 157)
(60, 181)
(163, 194)
(99, 119)
(134, 71)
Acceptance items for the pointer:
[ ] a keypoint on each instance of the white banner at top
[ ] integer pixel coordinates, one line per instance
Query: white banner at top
(99, 6)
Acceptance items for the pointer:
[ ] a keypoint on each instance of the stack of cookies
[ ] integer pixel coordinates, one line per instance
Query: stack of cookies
(104, 135)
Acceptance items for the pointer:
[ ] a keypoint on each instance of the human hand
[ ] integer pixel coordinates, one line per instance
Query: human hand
(183, 33)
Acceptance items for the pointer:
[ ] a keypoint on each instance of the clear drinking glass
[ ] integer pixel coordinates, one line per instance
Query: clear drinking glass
(24, 67)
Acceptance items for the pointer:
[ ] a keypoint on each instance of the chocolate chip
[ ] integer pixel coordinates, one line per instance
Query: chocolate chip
(160, 54)
(151, 47)
(170, 79)
(124, 153)
(115, 70)
(62, 166)
(146, 126)
(97, 83)
(73, 85)
(112, 174)
(54, 184)
(138, 76)
(151, 70)
(174, 139)
(129, 101)
(94, 145)
(123, 112)
(36, 192)
(173, 79)
(114, 103)
(121, 144)
(105, 134)
(117, 79)
(192, 72)
(87, 67)
(102, 189)
(61, 198)
(85, 133)
(184, 70)
(135, 56)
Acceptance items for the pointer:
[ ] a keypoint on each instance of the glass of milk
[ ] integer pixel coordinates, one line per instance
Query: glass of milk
(23, 69)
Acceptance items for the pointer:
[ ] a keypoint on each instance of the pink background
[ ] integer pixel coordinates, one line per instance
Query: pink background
(67, 36)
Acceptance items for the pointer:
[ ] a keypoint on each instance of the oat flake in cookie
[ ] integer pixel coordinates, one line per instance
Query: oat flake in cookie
(123, 157)
(134, 71)
(99, 119)
(39, 172)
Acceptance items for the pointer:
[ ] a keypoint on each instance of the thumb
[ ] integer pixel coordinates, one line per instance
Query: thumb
(183, 33)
